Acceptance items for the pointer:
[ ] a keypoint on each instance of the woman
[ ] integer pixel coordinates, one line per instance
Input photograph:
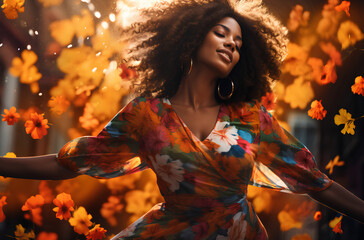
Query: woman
(198, 126)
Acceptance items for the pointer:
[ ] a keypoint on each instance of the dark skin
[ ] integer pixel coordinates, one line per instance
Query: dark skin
(195, 104)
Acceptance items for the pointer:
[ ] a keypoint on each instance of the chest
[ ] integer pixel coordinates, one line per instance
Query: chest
(200, 122)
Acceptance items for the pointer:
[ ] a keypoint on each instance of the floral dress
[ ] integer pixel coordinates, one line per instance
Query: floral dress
(204, 182)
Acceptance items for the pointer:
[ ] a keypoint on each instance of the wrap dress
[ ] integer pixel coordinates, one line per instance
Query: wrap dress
(204, 182)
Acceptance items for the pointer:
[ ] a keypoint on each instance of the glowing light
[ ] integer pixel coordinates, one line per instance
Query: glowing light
(40, 94)
(18, 49)
(31, 32)
(29, 47)
(94, 69)
(98, 54)
(86, 1)
(91, 7)
(105, 25)
(1, 44)
(97, 14)
(129, 11)
(36, 32)
(112, 17)
(69, 46)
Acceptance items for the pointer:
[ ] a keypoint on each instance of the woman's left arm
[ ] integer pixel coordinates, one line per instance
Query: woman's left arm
(341, 200)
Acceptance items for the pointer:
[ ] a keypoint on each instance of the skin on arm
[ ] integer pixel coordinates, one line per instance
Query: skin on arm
(341, 200)
(44, 167)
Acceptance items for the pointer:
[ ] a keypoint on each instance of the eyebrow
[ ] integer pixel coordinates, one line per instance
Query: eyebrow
(228, 30)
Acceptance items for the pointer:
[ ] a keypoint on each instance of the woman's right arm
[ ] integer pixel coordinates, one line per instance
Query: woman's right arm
(44, 167)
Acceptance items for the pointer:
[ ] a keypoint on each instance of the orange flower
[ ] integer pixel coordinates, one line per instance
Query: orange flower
(96, 233)
(317, 110)
(317, 66)
(345, 118)
(48, 3)
(37, 126)
(35, 215)
(33, 202)
(45, 191)
(329, 73)
(10, 116)
(330, 50)
(64, 204)
(2, 204)
(304, 236)
(87, 120)
(344, 6)
(12, 7)
(268, 101)
(317, 216)
(58, 104)
(334, 163)
(358, 87)
(81, 221)
(109, 208)
(287, 221)
(47, 236)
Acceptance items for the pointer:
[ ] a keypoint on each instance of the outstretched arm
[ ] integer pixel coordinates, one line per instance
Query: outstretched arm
(341, 200)
(43, 167)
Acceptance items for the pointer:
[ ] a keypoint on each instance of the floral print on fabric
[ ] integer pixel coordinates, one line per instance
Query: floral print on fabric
(204, 183)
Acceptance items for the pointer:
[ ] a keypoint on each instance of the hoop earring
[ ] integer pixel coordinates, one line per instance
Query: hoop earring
(191, 64)
(230, 94)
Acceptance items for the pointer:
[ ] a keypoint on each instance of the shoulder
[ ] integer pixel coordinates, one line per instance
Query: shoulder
(144, 105)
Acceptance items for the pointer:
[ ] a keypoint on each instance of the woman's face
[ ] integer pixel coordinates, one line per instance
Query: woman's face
(220, 48)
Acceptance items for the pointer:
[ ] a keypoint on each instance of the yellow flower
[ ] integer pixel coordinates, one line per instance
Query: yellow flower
(81, 221)
(348, 34)
(12, 7)
(84, 25)
(62, 31)
(20, 233)
(299, 93)
(25, 69)
(345, 118)
(334, 163)
(10, 155)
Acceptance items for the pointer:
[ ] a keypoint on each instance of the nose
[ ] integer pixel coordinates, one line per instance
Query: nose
(230, 44)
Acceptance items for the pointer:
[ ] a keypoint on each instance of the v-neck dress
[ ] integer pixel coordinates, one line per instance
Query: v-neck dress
(204, 183)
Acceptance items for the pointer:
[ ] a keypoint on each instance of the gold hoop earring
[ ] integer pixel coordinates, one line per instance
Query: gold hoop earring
(191, 64)
(230, 94)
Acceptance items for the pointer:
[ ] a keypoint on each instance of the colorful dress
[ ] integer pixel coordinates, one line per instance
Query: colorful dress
(204, 182)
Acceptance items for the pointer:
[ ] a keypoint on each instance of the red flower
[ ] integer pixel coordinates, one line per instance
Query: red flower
(2, 204)
(358, 87)
(317, 110)
(337, 228)
(269, 101)
(10, 116)
(344, 6)
(328, 74)
(127, 73)
(36, 126)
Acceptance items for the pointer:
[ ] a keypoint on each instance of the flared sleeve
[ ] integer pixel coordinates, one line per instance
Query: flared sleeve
(282, 162)
(113, 152)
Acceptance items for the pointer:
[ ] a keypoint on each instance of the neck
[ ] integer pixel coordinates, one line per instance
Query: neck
(197, 90)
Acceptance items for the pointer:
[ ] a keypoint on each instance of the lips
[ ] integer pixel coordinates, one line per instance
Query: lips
(228, 55)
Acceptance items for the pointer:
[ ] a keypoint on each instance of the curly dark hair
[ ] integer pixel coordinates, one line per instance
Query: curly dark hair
(173, 32)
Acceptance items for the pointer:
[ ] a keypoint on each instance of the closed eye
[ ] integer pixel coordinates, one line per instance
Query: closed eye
(219, 34)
